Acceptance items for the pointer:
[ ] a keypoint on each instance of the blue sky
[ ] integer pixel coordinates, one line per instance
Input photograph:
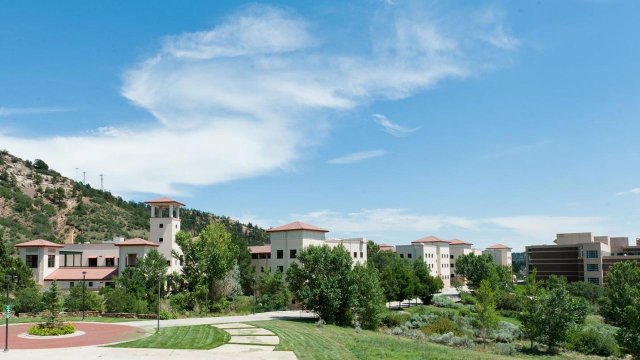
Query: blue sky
(496, 122)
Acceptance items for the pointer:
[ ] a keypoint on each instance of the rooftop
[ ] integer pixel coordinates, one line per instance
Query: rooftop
(163, 201)
(39, 243)
(429, 239)
(459, 242)
(261, 249)
(75, 273)
(297, 225)
(498, 247)
(136, 242)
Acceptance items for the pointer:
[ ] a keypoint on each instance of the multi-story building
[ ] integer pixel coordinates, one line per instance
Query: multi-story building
(580, 256)
(287, 241)
(501, 254)
(97, 264)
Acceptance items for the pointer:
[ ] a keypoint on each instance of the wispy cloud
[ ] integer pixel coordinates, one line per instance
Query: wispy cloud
(357, 157)
(392, 128)
(634, 191)
(12, 111)
(261, 77)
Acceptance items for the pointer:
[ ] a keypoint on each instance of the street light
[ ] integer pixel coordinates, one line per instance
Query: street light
(7, 279)
(84, 289)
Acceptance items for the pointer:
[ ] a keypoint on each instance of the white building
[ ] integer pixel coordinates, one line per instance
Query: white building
(501, 254)
(97, 264)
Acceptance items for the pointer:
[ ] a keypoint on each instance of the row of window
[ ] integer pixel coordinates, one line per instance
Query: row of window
(593, 267)
(32, 261)
(594, 280)
(89, 284)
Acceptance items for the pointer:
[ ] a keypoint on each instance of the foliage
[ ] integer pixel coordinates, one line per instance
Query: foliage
(322, 281)
(445, 302)
(229, 286)
(52, 300)
(368, 298)
(274, 293)
(73, 300)
(476, 268)
(486, 309)
(594, 340)
(28, 299)
(441, 325)
(206, 259)
(47, 330)
(394, 318)
(591, 292)
(119, 300)
(505, 332)
(451, 340)
(426, 285)
(621, 304)
(507, 301)
(505, 349)
(21, 276)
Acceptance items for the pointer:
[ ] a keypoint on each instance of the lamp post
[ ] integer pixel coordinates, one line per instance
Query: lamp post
(158, 314)
(254, 296)
(7, 279)
(84, 289)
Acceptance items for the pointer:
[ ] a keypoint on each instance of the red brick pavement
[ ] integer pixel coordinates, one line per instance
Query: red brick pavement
(95, 334)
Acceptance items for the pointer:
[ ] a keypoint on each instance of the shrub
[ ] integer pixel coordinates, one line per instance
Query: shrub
(451, 340)
(506, 332)
(441, 325)
(166, 315)
(395, 318)
(594, 340)
(505, 349)
(445, 302)
(467, 299)
(274, 294)
(507, 301)
(46, 330)
(28, 300)
(73, 300)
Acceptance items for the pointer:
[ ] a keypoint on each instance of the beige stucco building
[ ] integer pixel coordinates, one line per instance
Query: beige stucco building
(501, 254)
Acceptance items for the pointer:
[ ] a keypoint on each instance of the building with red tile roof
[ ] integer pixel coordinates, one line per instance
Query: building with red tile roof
(297, 225)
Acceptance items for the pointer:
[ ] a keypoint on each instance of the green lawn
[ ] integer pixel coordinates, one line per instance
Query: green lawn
(14, 320)
(199, 337)
(309, 341)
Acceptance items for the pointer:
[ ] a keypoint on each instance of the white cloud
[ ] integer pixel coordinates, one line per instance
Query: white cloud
(403, 226)
(357, 157)
(12, 111)
(634, 191)
(246, 97)
(392, 128)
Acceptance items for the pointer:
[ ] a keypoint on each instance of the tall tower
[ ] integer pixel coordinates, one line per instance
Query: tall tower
(164, 225)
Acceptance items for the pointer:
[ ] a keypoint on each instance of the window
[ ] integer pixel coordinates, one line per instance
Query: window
(32, 261)
(453, 265)
(355, 255)
(161, 226)
(71, 283)
(109, 262)
(452, 256)
(90, 283)
(280, 254)
(593, 267)
(361, 255)
(261, 268)
(592, 254)
(168, 262)
(280, 268)
(160, 240)
(93, 262)
(402, 256)
(51, 261)
(254, 256)
(409, 256)
(595, 281)
(292, 253)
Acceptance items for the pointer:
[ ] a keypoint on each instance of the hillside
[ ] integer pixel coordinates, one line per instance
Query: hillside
(38, 202)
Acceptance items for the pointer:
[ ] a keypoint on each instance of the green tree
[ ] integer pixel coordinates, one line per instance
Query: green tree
(368, 297)
(621, 304)
(28, 299)
(152, 268)
(487, 316)
(52, 300)
(119, 300)
(406, 279)
(426, 285)
(531, 308)
(73, 300)
(322, 282)
(476, 268)
(274, 293)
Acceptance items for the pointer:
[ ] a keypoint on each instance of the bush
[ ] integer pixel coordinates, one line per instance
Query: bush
(274, 294)
(220, 306)
(73, 300)
(45, 330)
(393, 319)
(505, 349)
(441, 325)
(594, 340)
(166, 315)
(506, 332)
(507, 301)
(467, 299)
(445, 302)
(28, 300)
(451, 340)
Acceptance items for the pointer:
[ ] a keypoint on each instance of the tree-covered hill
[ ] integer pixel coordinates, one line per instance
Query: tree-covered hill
(38, 202)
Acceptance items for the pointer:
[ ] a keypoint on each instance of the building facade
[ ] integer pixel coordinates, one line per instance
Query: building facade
(97, 264)
(580, 256)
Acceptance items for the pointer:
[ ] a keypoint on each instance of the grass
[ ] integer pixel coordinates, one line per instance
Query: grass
(198, 337)
(28, 320)
(310, 341)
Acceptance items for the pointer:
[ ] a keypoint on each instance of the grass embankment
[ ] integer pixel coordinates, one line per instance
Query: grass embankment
(310, 341)
(198, 337)
(74, 319)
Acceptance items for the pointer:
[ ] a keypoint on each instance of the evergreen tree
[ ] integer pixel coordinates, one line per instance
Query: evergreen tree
(486, 309)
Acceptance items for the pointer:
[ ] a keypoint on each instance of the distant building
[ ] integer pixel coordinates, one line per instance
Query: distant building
(580, 256)
(501, 254)
(99, 263)
(287, 241)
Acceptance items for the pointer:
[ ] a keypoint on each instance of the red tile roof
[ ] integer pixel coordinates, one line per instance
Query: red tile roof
(163, 200)
(429, 239)
(386, 247)
(499, 247)
(459, 242)
(136, 242)
(262, 249)
(39, 243)
(297, 225)
(75, 273)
